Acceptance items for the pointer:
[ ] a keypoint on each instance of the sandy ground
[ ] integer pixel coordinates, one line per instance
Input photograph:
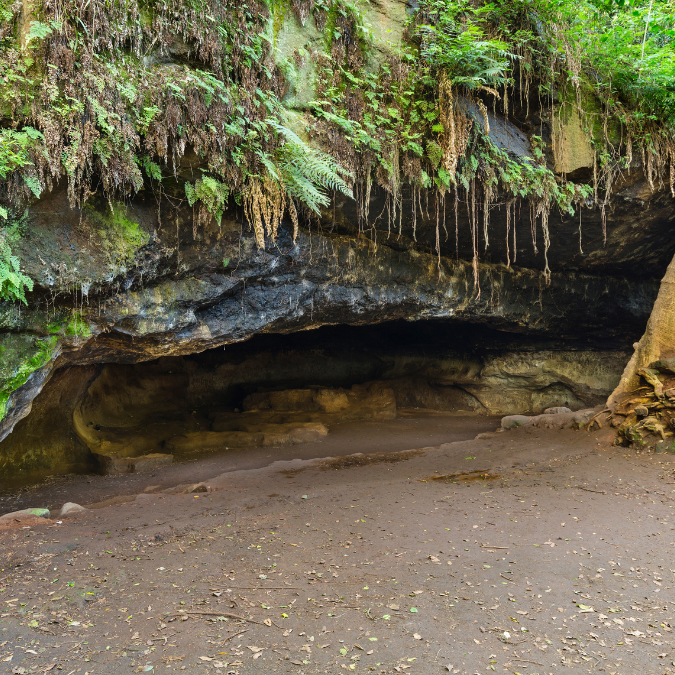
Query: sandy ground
(413, 429)
(530, 551)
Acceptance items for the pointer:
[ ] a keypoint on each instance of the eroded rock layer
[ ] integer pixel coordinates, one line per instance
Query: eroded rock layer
(277, 389)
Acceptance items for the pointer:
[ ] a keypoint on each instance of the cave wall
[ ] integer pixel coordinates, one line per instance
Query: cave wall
(47, 443)
(134, 282)
(137, 408)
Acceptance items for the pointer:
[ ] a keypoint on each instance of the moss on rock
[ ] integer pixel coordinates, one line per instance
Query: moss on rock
(20, 356)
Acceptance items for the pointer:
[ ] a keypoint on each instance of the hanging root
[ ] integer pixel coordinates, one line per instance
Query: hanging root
(265, 203)
(456, 125)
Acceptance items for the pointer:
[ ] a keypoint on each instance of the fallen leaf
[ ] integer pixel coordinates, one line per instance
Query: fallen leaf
(206, 658)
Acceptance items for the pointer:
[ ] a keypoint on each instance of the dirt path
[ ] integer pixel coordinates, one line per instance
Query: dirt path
(558, 560)
(413, 429)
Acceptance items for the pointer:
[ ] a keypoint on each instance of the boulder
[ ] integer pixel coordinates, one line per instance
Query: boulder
(70, 509)
(561, 418)
(513, 421)
(29, 515)
(373, 400)
(249, 434)
(582, 418)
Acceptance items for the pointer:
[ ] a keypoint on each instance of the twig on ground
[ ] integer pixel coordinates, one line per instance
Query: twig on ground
(224, 614)
(513, 658)
(229, 637)
(255, 588)
(600, 492)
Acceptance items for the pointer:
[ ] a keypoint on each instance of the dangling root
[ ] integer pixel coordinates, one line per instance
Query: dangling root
(265, 202)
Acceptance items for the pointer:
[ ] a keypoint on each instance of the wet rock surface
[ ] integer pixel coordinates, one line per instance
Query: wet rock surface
(171, 291)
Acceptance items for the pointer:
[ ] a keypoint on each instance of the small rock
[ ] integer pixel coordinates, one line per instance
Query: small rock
(71, 508)
(641, 411)
(513, 421)
(557, 410)
(197, 487)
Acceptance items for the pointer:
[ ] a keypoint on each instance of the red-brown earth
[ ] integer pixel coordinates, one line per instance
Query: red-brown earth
(528, 551)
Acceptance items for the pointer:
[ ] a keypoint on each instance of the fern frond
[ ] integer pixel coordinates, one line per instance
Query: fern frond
(305, 172)
(13, 281)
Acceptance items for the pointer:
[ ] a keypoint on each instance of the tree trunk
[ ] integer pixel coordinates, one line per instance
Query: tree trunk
(658, 342)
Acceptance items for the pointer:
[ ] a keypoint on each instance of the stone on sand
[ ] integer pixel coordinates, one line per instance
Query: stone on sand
(70, 509)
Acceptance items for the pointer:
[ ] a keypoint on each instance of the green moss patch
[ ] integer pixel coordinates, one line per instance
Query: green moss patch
(20, 357)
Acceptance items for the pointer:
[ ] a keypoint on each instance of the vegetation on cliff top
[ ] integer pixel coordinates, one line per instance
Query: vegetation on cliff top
(112, 95)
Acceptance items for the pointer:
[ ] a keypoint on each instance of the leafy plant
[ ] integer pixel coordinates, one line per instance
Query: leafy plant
(13, 282)
(307, 173)
(461, 48)
(212, 193)
(16, 147)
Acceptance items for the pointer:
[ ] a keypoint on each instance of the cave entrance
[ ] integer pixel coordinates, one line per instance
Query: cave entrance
(331, 391)
(326, 392)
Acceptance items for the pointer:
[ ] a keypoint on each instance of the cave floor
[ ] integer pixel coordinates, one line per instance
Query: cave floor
(412, 429)
(467, 557)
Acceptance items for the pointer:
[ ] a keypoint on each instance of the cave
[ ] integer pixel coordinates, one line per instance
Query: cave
(283, 390)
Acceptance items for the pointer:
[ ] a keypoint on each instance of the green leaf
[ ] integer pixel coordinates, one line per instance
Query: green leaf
(34, 185)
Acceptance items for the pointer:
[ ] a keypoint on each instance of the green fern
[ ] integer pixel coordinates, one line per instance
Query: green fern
(212, 193)
(460, 47)
(13, 281)
(305, 172)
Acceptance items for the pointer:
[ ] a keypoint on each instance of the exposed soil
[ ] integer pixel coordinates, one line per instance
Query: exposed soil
(425, 565)
(413, 429)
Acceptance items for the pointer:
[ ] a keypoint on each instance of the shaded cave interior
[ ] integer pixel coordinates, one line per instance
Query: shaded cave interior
(277, 389)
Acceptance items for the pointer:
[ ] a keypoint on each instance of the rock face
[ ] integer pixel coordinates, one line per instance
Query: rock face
(182, 295)
(150, 287)
(277, 389)
(561, 344)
